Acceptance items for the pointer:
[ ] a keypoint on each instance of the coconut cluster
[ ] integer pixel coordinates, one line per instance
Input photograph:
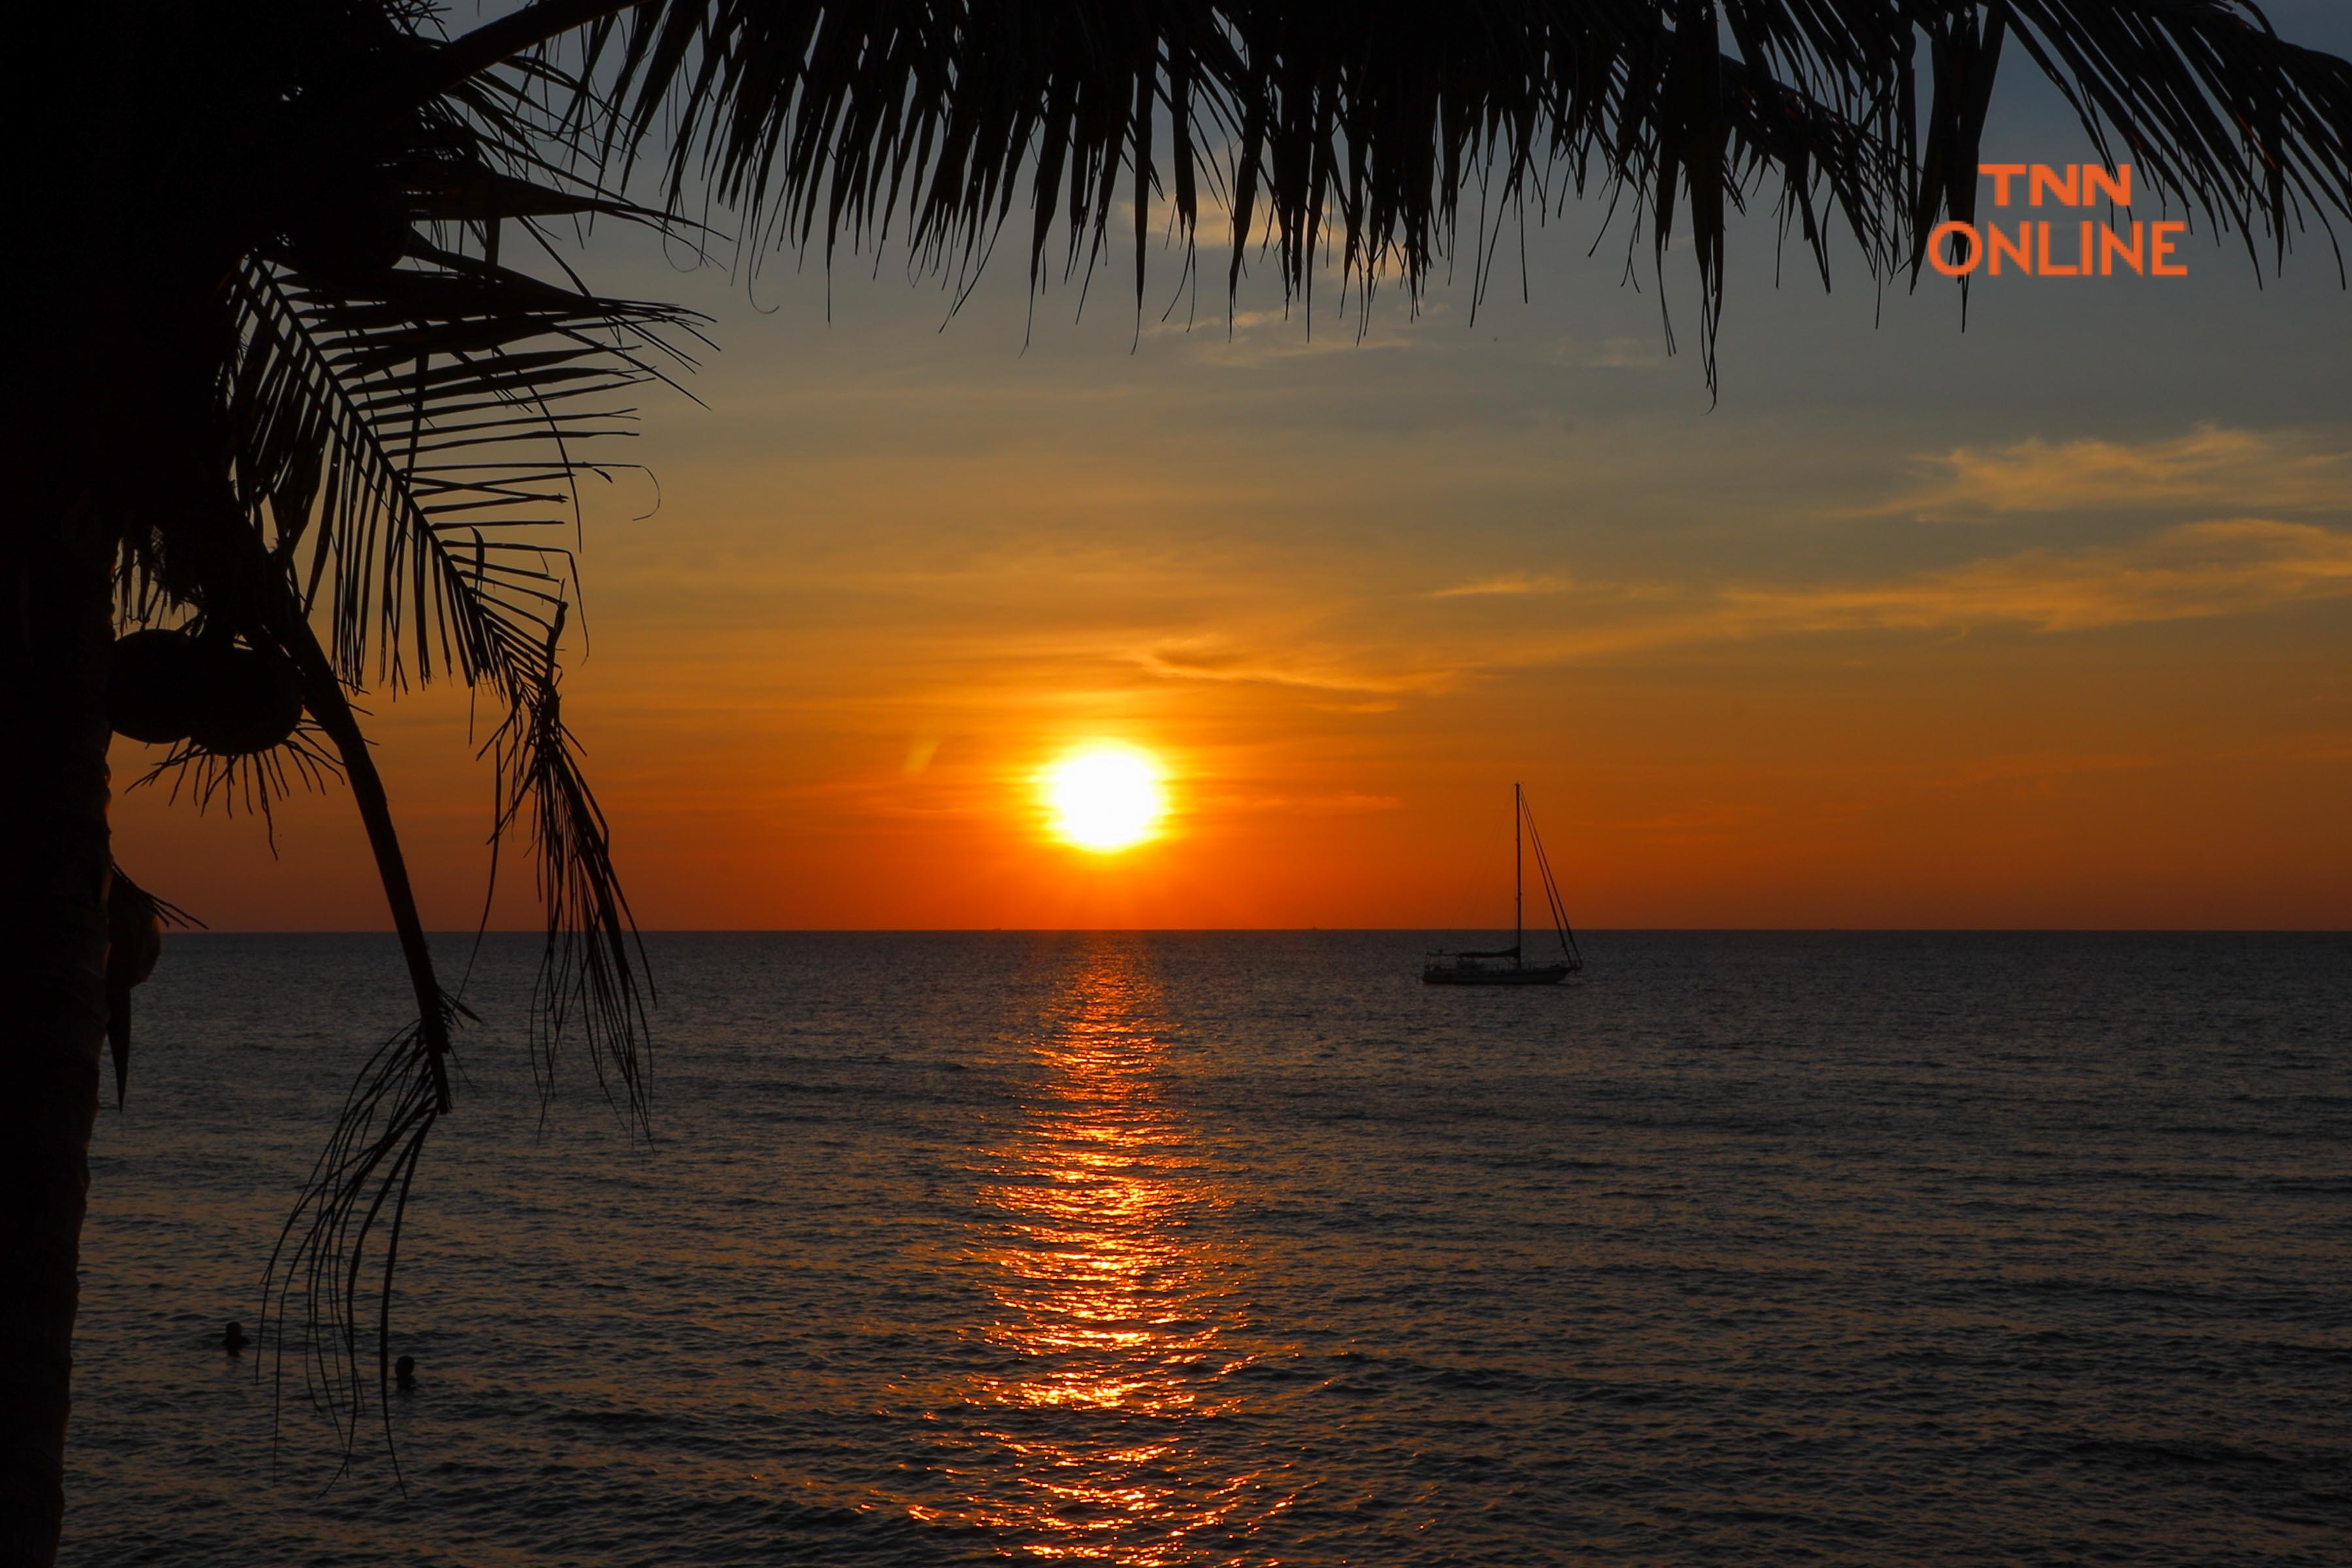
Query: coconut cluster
(228, 698)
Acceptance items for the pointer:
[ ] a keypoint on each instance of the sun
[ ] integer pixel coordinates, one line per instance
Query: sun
(1104, 797)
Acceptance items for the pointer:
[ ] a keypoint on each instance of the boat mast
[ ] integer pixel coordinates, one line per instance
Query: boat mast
(1518, 877)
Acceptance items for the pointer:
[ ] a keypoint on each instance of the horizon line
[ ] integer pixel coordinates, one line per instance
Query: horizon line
(469, 933)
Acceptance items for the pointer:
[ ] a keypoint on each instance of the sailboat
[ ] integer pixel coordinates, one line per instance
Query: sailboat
(1509, 965)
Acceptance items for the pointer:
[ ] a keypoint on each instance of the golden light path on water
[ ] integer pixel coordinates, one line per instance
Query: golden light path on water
(1112, 1321)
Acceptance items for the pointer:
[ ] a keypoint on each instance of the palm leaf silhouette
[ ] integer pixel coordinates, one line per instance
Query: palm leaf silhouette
(1357, 129)
(404, 457)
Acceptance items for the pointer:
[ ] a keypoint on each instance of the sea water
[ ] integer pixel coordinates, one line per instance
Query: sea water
(1249, 1249)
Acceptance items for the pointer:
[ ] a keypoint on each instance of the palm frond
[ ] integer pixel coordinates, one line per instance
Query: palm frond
(2210, 104)
(591, 962)
(251, 783)
(405, 462)
(420, 452)
(1351, 133)
(357, 1193)
(415, 451)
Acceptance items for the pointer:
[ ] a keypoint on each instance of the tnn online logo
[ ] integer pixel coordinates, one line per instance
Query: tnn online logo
(2054, 247)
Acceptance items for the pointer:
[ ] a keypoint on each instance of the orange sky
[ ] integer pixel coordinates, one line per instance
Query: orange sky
(2040, 624)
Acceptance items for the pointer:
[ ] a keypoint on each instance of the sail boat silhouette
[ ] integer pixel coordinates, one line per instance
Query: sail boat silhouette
(1485, 967)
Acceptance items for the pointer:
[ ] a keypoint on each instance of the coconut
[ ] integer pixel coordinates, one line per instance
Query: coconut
(154, 681)
(351, 233)
(250, 700)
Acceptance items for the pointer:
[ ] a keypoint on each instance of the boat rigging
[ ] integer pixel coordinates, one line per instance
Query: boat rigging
(1509, 965)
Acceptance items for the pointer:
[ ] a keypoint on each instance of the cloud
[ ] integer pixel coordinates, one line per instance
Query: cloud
(1314, 670)
(1334, 321)
(1510, 582)
(2234, 566)
(2211, 465)
(2196, 570)
(2193, 571)
(1111, 592)
(1613, 353)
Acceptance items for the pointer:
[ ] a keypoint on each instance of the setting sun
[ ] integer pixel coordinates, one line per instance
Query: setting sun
(1104, 797)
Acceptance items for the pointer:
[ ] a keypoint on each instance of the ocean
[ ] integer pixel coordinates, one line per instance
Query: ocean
(1247, 1249)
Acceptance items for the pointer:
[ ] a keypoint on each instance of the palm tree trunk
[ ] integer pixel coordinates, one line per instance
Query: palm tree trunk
(55, 629)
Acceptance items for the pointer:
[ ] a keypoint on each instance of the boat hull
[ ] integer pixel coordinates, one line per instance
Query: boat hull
(1532, 974)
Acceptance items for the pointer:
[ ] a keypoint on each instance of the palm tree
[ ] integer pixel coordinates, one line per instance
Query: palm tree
(292, 420)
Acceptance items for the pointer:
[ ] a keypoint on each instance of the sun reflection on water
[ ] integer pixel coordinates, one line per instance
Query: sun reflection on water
(1111, 1320)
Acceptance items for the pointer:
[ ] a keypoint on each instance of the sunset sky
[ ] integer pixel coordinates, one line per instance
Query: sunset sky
(2043, 624)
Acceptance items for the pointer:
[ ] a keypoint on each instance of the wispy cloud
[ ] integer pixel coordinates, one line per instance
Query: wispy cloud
(1611, 354)
(1510, 582)
(1361, 657)
(2243, 471)
(2232, 566)
(1333, 321)
(1311, 669)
